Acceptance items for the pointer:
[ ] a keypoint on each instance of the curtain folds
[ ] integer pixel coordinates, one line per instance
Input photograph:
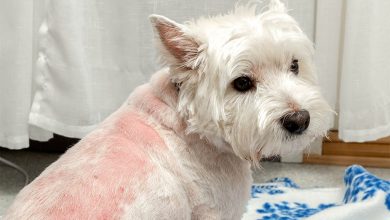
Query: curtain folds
(352, 53)
(15, 71)
(65, 65)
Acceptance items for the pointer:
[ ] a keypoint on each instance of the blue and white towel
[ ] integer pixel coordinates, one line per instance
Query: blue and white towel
(365, 197)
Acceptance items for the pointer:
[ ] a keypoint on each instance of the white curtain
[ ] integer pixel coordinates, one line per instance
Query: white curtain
(15, 71)
(352, 39)
(65, 65)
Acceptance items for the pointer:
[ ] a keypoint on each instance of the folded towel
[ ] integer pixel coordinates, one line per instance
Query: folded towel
(364, 197)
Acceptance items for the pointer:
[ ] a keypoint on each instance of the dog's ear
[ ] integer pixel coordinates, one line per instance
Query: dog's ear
(277, 6)
(181, 48)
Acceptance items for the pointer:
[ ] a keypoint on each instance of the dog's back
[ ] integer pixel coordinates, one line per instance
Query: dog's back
(139, 164)
(95, 176)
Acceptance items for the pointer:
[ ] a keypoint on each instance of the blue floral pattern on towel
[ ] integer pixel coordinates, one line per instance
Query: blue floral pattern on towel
(360, 187)
(274, 188)
(290, 211)
(284, 181)
(283, 210)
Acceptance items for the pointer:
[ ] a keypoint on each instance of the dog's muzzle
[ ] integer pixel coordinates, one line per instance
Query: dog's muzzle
(296, 122)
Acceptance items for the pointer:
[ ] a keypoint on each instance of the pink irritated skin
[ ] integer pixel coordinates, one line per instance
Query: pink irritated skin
(96, 177)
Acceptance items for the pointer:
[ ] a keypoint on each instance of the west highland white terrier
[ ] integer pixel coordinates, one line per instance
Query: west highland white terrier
(237, 87)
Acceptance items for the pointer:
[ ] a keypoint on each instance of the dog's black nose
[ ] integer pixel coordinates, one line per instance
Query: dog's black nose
(296, 122)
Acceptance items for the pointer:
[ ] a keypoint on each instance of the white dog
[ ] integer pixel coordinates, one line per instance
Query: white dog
(239, 87)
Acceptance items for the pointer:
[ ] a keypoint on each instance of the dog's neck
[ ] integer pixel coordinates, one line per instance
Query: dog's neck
(158, 99)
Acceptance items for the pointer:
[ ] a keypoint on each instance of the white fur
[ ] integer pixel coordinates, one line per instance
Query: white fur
(233, 126)
(215, 51)
(246, 43)
(210, 130)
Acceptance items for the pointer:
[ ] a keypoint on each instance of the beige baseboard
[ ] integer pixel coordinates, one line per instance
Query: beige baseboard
(337, 152)
(346, 160)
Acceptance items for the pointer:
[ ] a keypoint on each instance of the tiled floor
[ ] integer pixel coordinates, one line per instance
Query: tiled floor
(12, 181)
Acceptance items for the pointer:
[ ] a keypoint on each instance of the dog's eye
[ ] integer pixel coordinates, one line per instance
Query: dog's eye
(242, 84)
(294, 67)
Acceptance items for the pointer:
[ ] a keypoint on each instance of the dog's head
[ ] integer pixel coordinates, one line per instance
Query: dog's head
(246, 78)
